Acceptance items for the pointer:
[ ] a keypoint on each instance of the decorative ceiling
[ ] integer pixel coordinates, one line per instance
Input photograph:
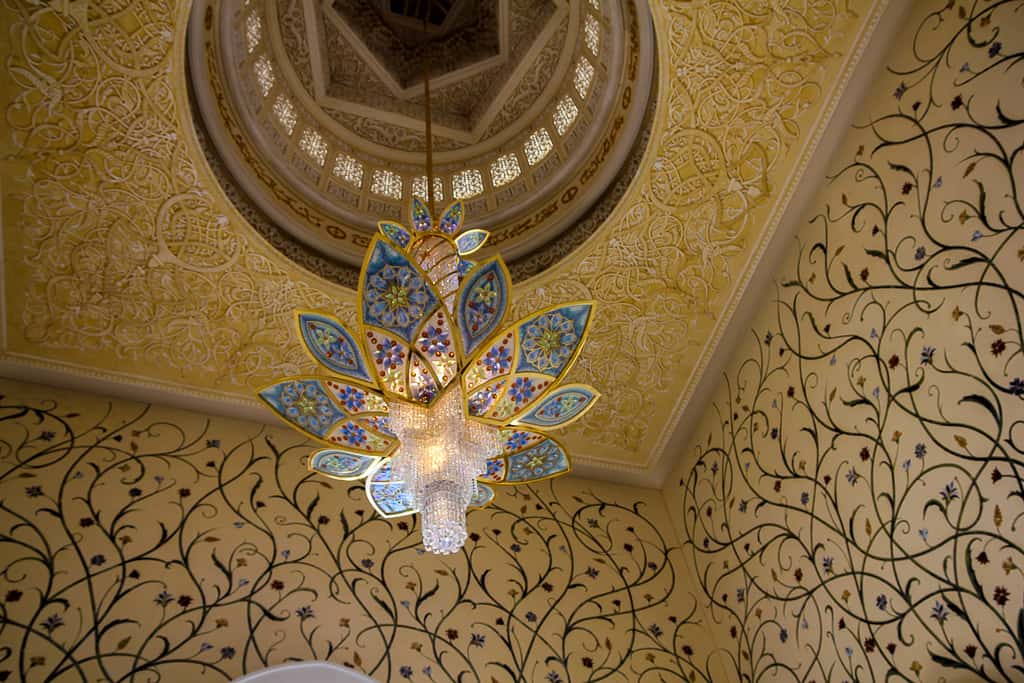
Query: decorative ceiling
(127, 265)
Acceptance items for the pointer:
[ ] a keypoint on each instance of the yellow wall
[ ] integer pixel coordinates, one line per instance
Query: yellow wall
(145, 540)
(852, 504)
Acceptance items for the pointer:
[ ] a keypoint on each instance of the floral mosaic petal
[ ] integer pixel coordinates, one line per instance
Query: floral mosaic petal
(305, 405)
(396, 233)
(550, 340)
(437, 345)
(355, 400)
(471, 240)
(389, 498)
(482, 303)
(451, 220)
(421, 219)
(341, 464)
(561, 407)
(496, 470)
(331, 345)
(482, 497)
(546, 459)
(396, 295)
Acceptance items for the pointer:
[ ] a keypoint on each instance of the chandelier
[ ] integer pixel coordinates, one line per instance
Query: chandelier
(435, 397)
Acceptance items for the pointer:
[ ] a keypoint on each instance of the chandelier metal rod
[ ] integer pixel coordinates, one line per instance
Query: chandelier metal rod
(428, 132)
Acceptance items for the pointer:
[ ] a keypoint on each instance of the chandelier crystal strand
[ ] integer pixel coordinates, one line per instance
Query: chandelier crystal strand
(442, 454)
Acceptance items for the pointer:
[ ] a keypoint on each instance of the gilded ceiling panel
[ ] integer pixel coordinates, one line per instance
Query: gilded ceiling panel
(124, 259)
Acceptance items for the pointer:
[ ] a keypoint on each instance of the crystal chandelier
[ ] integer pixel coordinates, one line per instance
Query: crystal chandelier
(436, 397)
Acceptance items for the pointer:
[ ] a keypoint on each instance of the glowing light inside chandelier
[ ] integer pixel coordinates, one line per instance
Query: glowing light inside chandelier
(441, 455)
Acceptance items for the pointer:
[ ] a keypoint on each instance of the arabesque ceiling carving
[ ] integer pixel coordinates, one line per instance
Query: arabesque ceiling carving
(129, 263)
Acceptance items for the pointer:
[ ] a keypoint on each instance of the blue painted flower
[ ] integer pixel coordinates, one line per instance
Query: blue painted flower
(743, 506)
(783, 635)
(740, 595)
(848, 650)
(304, 612)
(920, 253)
(353, 399)
(521, 390)
(548, 341)
(553, 677)
(927, 353)
(515, 547)
(852, 476)
(906, 465)
(826, 564)
(389, 354)
(920, 450)
(306, 404)
(517, 440)
(164, 599)
(434, 340)
(33, 491)
(47, 436)
(881, 602)
(395, 297)
(940, 612)
(227, 652)
(976, 235)
(405, 671)
(98, 560)
(477, 640)
(205, 646)
(994, 48)
(655, 630)
(1017, 386)
(900, 90)
(805, 498)
(591, 572)
(949, 492)
(923, 533)
(531, 617)
(353, 434)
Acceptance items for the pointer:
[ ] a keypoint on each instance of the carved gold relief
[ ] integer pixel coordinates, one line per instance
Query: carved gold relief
(127, 258)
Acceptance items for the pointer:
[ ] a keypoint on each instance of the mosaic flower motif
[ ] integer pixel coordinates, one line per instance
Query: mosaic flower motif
(521, 390)
(498, 360)
(389, 354)
(354, 400)
(306, 404)
(396, 296)
(434, 341)
(549, 341)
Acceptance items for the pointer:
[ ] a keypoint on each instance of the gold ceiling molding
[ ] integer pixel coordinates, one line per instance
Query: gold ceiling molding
(129, 260)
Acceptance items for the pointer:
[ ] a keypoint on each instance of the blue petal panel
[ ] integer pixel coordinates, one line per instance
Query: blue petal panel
(451, 221)
(420, 215)
(471, 240)
(396, 233)
(547, 459)
(332, 346)
(495, 470)
(465, 265)
(341, 464)
(561, 407)
(396, 296)
(482, 498)
(483, 300)
(304, 404)
(549, 341)
(389, 498)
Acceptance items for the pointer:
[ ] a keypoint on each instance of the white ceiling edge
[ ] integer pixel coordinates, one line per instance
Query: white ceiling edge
(143, 389)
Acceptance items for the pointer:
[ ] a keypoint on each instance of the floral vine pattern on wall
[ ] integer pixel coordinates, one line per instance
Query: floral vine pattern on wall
(855, 507)
(146, 544)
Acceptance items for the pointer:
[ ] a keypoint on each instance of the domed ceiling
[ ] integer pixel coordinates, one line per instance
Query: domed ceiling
(179, 179)
(315, 112)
